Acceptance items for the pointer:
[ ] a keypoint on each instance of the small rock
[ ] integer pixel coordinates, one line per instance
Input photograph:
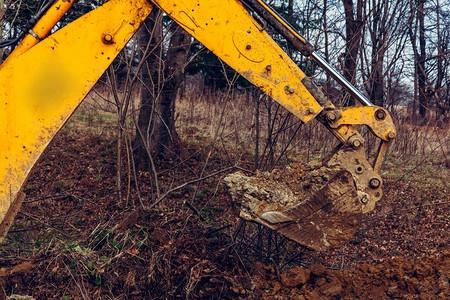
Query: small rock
(331, 289)
(321, 281)
(294, 277)
(318, 270)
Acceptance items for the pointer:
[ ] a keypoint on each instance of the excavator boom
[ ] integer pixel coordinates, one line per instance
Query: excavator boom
(47, 76)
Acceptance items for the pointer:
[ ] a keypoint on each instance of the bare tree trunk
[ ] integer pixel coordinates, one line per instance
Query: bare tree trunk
(378, 37)
(353, 30)
(428, 82)
(327, 54)
(412, 30)
(423, 100)
(2, 14)
(161, 78)
(150, 78)
(177, 56)
(442, 116)
(377, 84)
(291, 8)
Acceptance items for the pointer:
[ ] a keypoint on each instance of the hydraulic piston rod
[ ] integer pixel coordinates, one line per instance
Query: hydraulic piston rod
(43, 27)
(340, 79)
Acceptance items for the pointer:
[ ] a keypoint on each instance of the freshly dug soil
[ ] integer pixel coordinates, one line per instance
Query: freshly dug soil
(280, 189)
(397, 278)
(314, 205)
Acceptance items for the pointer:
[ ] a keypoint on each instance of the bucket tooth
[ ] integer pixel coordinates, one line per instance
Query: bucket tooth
(275, 217)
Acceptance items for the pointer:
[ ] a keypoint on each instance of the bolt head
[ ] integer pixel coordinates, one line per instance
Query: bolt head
(391, 135)
(310, 110)
(248, 47)
(356, 143)
(331, 116)
(380, 114)
(107, 38)
(268, 67)
(374, 183)
(291, 90)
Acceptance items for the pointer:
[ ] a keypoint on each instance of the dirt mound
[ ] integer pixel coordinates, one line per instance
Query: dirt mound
(425, 278)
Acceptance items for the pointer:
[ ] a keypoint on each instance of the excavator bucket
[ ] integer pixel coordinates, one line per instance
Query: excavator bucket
(314, 205)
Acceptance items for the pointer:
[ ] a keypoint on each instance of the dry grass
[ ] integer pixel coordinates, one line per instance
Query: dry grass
(200, 117)
(228, 119)
(231, 119)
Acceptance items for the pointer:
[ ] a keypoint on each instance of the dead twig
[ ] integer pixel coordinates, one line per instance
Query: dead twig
(195, 210)
(188, 183)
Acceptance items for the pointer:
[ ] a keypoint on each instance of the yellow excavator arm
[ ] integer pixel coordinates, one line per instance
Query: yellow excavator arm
(47, 76)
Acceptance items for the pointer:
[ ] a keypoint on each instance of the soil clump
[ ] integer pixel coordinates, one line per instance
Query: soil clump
(396, 278)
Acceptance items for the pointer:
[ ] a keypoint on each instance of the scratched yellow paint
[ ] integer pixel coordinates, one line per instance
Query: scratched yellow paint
(40, 88)
(231, 33)
(366, 115)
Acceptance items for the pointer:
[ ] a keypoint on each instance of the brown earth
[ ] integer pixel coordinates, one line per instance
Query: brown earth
(396, 278)
(74, 239)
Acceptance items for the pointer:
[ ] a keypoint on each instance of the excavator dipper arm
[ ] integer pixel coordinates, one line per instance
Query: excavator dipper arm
(47, 76)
